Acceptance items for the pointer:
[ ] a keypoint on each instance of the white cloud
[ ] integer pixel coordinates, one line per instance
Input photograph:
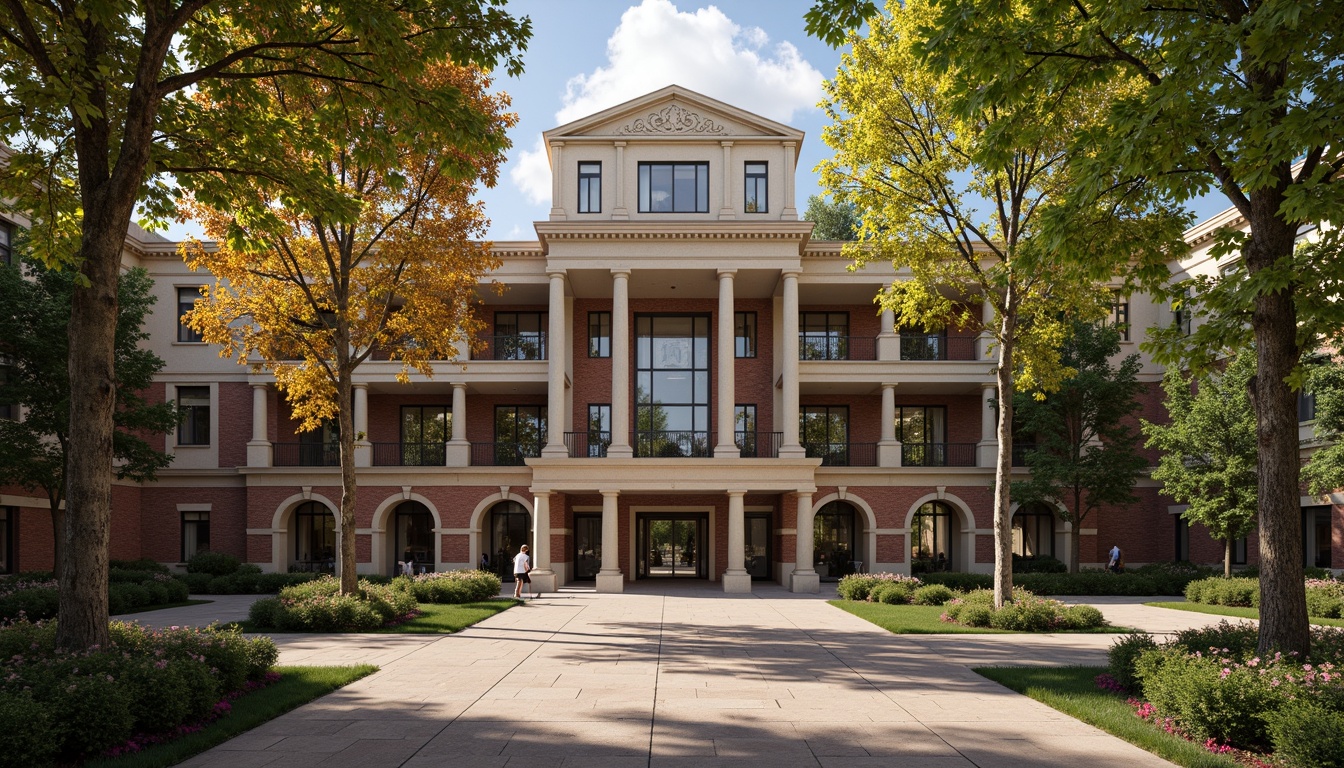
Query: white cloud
(656, 45)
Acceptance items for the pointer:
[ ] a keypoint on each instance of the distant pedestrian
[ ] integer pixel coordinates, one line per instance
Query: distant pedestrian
(522, 564)
(1114, 565)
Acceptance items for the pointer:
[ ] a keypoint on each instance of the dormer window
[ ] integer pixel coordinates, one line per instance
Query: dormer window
(755, 187)
(674, 187)
(590, 187)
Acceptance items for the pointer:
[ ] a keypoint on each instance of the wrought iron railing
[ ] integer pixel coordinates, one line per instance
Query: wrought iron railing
(503, 454)
(938, 454)
(821, 346)
(936, 346)
(306, 454)
(524, 346)
(668, 444)
(409, 454)
(843, 454)
(587, 445)
(759, 445)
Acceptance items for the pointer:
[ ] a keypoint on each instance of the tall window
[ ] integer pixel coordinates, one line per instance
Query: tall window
(7, 515)
(6, 243)
(520, 432)
(744, 334)
(1120, 315)
(590, 187)
(1182, 314)
(314, 537)
(922, 430)
(424, 430)
(195, 533)
(674, 187)
(825, 335)
(1306, 405)
(1239, 551)
(599, 429)
(599, 334)
(1182, 539)
(672, 356)
(193, 409)
(520, 335)
(8, 411)
(825, 433)
(1034, 531)
(744, 425)
(931, 535)
(321, 447)
(754, 186)
(186, 299)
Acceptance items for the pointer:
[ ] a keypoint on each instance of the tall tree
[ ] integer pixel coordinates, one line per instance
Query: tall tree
(310, 293)
(1086, 450)
(106, 105)
(33, 450)
(1208, 450)
(836, 219)
(958, 200)
(1243, 96)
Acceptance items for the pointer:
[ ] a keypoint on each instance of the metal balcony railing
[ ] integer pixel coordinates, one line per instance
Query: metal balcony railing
(668, 444)
(938, 454)
(759, 445)
(843, 454)
(821, 346)
(409, 454)
(518, 346)
(587, 445)
(504, 454)
(936, 346)
(306, 454)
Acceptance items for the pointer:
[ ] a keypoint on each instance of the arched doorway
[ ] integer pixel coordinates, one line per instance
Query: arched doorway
(314, 538)
(835, 541)
(412, 537)
(510, 527)
(933, 538)
(1034, 531)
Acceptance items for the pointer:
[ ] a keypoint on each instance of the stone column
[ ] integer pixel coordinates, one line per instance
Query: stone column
(986, 338)
(736, 578)
(363, 448)
(889, 449)
(888, 341)
(618, 210)
(988, 449)
(557, 171)
(805, 577)
(609, 579)
(458, 450)
(620, 365)
(726, 447)
(789, 212)
(557, 345)
(543, 578)
(791, 449)
(259, 447)
(726, 210)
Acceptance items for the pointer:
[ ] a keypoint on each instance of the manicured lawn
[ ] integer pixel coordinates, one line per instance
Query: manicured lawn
(923, 620)
(1228, 610)
(297, 686)
(1071, 690)
(434, 619)
(182, 604)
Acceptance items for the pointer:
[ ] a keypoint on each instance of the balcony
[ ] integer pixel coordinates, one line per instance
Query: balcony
(938, 454)
(843, 454)
(504, 454)
(936, 346)
(527, 346)
(587, 445)
(307, 454)
(670, 444)
(759, 445)
(409, 454)
(816, 346)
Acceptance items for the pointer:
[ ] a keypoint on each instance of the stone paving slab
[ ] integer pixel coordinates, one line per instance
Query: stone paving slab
(679, 675)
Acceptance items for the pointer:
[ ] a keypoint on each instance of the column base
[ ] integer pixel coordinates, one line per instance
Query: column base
(543, 580)
(457, 454)
(363, 453)
(739, 583)
(611, 582)
(615, 451)
(889, 454)
(792, 452)
(805, 583)
(987, 454)
(555, 452)
(729, 451)
(259, 453)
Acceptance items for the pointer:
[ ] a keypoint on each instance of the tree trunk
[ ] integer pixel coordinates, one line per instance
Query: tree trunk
(346, 566)
(1227, 558)
(1003, 520)
(57, 533)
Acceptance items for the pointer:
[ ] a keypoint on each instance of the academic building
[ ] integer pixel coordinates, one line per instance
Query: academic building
(678, 382)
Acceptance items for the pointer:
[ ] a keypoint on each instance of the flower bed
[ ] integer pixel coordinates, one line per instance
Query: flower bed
(61, 707)
(318, 606)
(858, 586)
(1025, 613)
(467, 586)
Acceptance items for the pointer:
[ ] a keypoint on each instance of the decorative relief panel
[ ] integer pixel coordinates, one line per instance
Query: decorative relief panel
(673, 119)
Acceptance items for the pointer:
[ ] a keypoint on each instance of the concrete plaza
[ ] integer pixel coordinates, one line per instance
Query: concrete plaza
(672, 675)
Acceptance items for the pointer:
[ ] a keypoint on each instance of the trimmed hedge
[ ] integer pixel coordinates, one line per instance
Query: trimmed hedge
(1025, 613)
(318, 606)
(1139, 582)
(466, 586)
(857, 586)
(1325, 597)
(128, 591)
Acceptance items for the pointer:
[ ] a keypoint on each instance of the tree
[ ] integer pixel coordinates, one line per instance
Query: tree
(958, 200)
(1325, 472)
(106, 105)
(1208, 450)
(1086, 448)
(836, 219)
(33, 451)
(1243, 96)
(310, 293)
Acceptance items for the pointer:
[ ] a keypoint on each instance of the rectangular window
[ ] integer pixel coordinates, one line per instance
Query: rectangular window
(674, 187)
(186, 299)
(825, 433)
(599, 334)
(590, 187)
(922, 430)
(1306, 406)
(1182, 539)
(321, 447)
(8, 411)
(1182, 314)
(424, 431)
(599, 429)
(193, 409)
(1120, 316)
(520, 335)
(672, 385)
(520, 433)
(744, 428)
(7, 515)
(1239, 551)
(195, 534)
(824, 335)
(754, 186)
(744, 334)
(6, 243)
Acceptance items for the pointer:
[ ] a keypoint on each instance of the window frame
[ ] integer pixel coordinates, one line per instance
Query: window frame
(196, 517)
(744, 335)
(520, 350)
(759, 182)
(185, 334)
(590, 183)
(1035, 512)
(532, 410)
(187, 436)
(835, 346)
(645, 187)
(597, 446)
(8, 514)
(7, 229)
(599, 345)
(1119, 319)
(935, 512)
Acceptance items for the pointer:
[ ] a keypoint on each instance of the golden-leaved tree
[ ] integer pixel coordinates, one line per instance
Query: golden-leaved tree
(308, 287)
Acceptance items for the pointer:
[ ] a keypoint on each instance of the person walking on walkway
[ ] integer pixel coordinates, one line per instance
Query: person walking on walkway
(522, 564)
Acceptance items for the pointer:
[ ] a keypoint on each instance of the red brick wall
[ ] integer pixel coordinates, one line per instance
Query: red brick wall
(33, 547)
(235, 423)
(592, 375)
(481, 413)
(126, 528)
(161, 523)
(385, 413)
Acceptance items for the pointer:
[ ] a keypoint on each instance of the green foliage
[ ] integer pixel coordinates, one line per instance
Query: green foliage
(1224, 591)
(1325, 472)
(891, 593)
(836, 220)
(1024, 613)
(857, 586)
(1208, 704)
(27, 733)
(213, 563)
(1306, 734)
(318, 606)
(1038, 564)
(932, 594)
(960, 582)
(128, 591)
(465, 586)
(1124, 655)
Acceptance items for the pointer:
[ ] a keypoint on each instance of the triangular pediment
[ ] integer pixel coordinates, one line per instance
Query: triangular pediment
(674, 112)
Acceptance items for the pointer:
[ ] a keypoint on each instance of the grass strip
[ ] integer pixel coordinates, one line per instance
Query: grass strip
(1234, 611)
(434, 619)
(924, 620)
(182, 604)
(297, 686)
(1073, 691)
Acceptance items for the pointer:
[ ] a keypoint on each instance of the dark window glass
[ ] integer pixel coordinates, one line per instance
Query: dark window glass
(1239, 551)
(186, 299)
(921, 424)
(1182, 539)
(195, 533)
(834, 541)
(424, 430)
(6, 243)
(825, 433)
(599, 334)
(193, 408)
(520, 335)
(1120, 316)
(755, 188)
(744, 334)
(1182, 314)
(590, 187)
(8, 411)
(314, 537)
(1306, 406)
(1034, 531)
(672, 385)
(520, 432)
(931, 536)
(674, 187)
(825, 335)
(7, 515)
(599, 429)
(414, 545)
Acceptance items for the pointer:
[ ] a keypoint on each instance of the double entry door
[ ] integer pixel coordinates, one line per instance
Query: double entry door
(672, 545)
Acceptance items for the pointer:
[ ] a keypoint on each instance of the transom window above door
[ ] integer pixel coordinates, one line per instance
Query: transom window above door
(674, 187)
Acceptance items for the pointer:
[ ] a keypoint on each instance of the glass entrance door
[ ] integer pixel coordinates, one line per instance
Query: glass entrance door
(587, 547)
(758, 545)
(833, 541)
(1316, 536)
(510, 528)
(672, 546)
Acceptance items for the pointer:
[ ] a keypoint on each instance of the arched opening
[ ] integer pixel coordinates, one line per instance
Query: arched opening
(509, 526)
(835, 550)
(1034, 531)
(314, 533)
(412, 538)
(933, 536)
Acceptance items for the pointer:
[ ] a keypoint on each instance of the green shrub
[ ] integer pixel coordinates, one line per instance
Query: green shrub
(27, 736)
(127, 598)
(466, 586)
(891, 593)
(143, 564)
(1307, 735)
(1024, 613)
(318, 606)
(1235, 640)
(961, 582)
(95, 709)
(1211, 697)
(1038, 564)
(196, 583)
(35, 603)
(1323, 604)
(1123, 656)
(1220, 591)
(932, 594)
(1079, 617)
(213, 563)
(1312, 572)
(857, 586)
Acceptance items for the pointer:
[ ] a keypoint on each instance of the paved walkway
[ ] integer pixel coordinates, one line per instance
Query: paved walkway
(685, 676)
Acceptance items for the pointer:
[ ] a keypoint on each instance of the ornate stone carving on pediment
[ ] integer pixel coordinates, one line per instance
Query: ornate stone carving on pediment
(673, 119)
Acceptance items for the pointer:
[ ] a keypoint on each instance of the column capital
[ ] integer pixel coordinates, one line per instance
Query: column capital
(360, 385)
(888, 385)
(725, 143)
(462, 385)
(618, 143)
(555, 143)
(728, 273)
(736, 493)
(537, 493)
(621, 272)
(609, 493)
(791, 272)
(556, 274)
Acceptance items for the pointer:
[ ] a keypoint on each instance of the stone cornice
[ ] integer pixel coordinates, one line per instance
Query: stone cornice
(776, 231)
